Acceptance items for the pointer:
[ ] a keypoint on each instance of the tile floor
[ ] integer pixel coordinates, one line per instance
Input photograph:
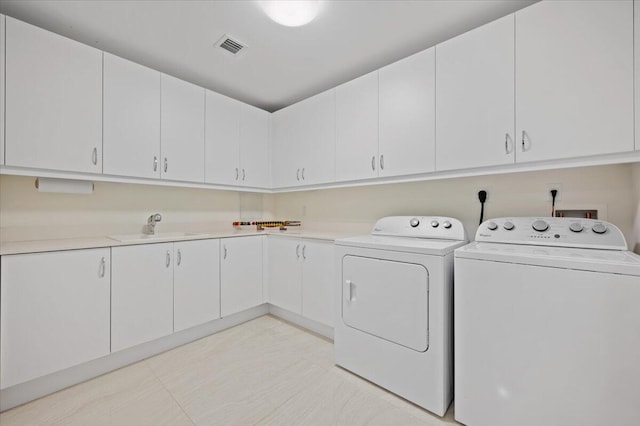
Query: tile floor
(265, 371)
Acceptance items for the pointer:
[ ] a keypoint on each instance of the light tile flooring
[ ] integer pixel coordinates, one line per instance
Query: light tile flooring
(265, 371)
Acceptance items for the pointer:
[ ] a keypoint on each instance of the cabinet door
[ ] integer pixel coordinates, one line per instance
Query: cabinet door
(636, 43)
(53, 101)
(318, 281)
(285, 273)
(182, 135)
(240, 274)
(407, 115)
(288, 138)
(357, 128)
(196, 283)
(141, 294)
(574, 79)
(222, 139)
(131, 128)
(318, 141)
(475, 112)
(2, 81)
(254, 147)
(55, 312)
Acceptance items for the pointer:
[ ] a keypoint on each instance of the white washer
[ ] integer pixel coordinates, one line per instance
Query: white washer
(393, 324)
(547, 325)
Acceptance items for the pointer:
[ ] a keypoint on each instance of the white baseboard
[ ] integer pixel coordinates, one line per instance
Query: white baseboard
(37, 388)
(316, 327)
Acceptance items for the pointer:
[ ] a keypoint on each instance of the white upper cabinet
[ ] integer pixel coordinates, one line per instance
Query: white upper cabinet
(574, 79)
(287, 148)
(254, 147)
(196, 283)
(304, 142)
(141, 294)
(53, 101)
(55, 312)
(407, 115)
(182, 131)
(357, 128)
(636, 32)
(475, 112)
(222, 139)
(2, 63)
(318, 120)
(240, 274)
(131, 129)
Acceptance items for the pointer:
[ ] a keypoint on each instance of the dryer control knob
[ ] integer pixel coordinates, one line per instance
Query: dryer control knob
(446, 224)
(492, 226)
(414, 222)
(540, 225)
(508, 226)
(435, 223)
(599, 228)
(576, 227)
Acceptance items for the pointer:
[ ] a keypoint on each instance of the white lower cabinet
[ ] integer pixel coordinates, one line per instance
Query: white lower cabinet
(54, 312)
(318, 278)
(196, 283)
(301, 277)
(240, 274)
(141, 294)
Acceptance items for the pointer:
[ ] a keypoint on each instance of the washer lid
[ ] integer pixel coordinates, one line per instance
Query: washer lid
(608, 261)
(405, 244)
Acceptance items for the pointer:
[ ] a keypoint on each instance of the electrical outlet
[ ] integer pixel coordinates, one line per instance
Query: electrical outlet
(557, 187)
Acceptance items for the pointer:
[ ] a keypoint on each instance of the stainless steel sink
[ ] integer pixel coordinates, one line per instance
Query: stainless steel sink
(128, 238)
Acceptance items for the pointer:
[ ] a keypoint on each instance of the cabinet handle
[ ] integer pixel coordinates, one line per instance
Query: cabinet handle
(298, 174)
(304, 251)
(243, 174)
(168, 259)
(103, 268)
(225, 251)
(298, 251)
(166, 164)
(303, 173)
(524, 134)
(94, 156)
(179, 258)
(506, 144)
(155, 163)
(382, 162)
(373, 163)
(237, 173)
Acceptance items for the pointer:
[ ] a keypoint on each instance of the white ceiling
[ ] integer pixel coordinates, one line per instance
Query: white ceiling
(282, 64)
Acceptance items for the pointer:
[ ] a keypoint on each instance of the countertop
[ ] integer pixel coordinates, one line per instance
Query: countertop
(39, 246)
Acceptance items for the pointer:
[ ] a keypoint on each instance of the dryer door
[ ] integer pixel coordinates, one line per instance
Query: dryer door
(387, 299)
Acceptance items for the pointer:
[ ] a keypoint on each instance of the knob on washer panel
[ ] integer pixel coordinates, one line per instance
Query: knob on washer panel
(435, 223)
(540, 225)
(446, 224)
(509, 226)
(599, 228)
(414, 222)
(576, 227)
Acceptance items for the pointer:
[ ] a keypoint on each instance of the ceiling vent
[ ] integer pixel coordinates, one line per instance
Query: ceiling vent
(231, 45)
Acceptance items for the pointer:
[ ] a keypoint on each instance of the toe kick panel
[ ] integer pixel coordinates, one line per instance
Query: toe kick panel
(387, 299)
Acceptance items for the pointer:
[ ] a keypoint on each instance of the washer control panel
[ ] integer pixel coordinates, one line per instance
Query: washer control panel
(445, 228)
(553, 231)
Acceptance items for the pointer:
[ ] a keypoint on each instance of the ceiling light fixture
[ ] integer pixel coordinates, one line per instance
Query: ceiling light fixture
(291, 13)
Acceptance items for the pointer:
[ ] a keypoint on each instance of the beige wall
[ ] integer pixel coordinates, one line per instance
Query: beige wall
(607, 188)
(123, 208)
(115, 208)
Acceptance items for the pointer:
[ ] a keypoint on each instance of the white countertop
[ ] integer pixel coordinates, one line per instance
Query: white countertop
(37, 246)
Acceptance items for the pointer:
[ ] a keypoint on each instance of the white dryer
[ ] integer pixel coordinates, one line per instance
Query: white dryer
(547, 325)
(393, 324)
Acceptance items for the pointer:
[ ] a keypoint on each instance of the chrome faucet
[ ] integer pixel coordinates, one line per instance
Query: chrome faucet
(151, 223)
